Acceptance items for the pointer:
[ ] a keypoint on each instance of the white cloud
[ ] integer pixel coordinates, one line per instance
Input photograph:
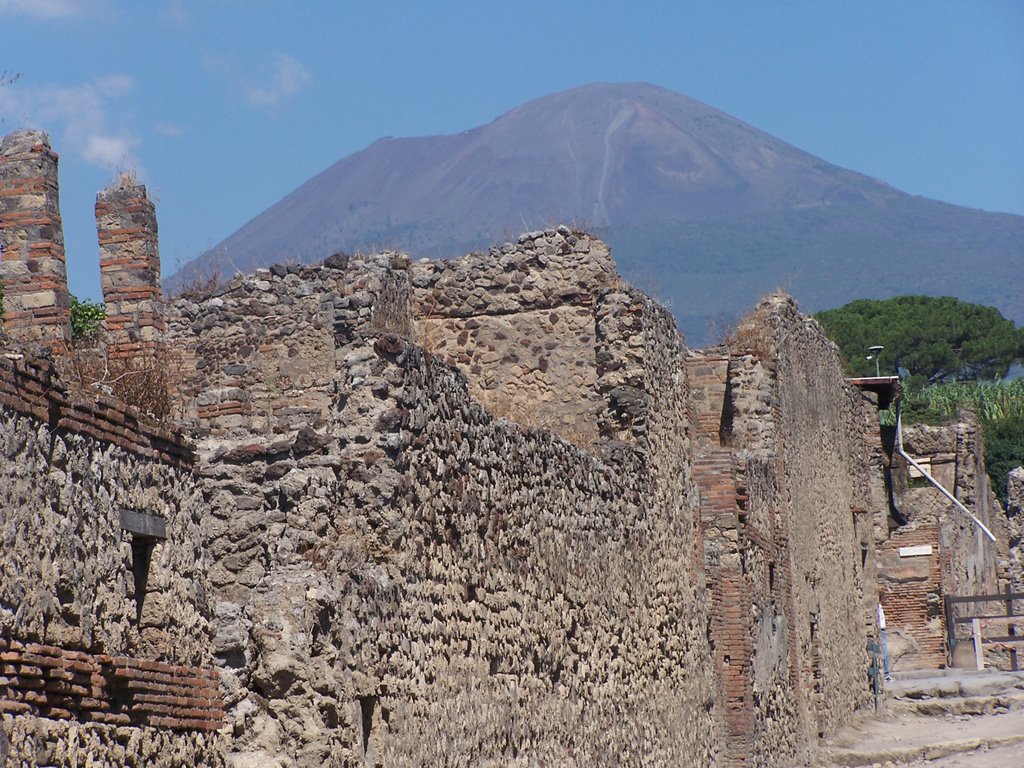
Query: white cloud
(281, 77)
(77, 117)
(287, 77)
(46, 9)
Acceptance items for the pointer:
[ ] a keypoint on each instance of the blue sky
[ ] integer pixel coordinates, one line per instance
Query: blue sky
(224, 106)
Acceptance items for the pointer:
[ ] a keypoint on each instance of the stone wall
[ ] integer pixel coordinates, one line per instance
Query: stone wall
(258, 355)
(403, 578)
(937, 550)
(519, 320)
(93, 659)
(389, 555)
(829, 489)
(788, 488)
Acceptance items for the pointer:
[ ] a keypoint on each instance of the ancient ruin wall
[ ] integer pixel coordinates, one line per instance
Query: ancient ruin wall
(520, 321)
(84, 671)
(258, 354)
(787, 492)
(938, 550)
(826, 482)
(413, 580)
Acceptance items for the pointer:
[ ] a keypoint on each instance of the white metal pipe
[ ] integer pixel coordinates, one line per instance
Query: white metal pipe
(932, 480)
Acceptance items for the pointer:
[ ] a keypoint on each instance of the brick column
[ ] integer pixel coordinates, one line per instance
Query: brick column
(129, 270)
(36, 303)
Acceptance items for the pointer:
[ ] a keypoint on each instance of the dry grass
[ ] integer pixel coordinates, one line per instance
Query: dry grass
(144, 382)
(200, 283)
(754, 337)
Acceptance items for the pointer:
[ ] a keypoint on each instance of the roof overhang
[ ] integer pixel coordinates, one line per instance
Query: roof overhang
(888, 388)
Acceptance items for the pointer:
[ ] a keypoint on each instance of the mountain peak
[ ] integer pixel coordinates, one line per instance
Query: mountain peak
(648, 168)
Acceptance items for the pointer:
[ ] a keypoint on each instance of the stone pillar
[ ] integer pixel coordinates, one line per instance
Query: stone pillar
(34, 275)
(129, 270)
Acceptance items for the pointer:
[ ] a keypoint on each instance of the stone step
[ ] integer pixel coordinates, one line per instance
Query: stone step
(941, 684)
(914, 739)
(959, 705)
(896, 756)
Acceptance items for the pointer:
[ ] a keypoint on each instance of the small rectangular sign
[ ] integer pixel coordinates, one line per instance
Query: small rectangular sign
(923, 549)
(925, 464)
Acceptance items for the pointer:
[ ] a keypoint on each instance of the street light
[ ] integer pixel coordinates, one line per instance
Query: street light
(874, 356)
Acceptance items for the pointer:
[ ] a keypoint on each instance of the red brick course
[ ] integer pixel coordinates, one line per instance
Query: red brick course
(31, 386)
(53, 682)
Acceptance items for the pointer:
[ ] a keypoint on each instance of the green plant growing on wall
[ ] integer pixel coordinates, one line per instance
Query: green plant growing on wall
(86, 319)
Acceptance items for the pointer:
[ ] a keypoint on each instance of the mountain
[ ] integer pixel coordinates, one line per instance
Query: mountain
(702, 210)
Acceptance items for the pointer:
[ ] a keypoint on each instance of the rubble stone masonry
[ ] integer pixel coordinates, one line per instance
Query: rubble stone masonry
(97, 666)
(36, 302)
(402, 578)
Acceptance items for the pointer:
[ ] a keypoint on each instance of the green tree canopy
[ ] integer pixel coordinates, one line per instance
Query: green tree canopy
(931, 339)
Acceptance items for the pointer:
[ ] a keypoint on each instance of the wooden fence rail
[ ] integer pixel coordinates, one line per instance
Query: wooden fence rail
(985, 612)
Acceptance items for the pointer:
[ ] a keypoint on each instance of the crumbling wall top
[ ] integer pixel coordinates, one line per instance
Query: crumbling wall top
(23, 141)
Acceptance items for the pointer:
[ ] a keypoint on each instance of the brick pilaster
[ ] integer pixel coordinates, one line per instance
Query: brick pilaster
(129, 270)
(34, 275)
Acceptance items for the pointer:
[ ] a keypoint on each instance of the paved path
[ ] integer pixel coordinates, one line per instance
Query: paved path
(949, 719)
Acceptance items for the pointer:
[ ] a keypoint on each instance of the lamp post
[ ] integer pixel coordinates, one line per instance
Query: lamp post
(874, 356)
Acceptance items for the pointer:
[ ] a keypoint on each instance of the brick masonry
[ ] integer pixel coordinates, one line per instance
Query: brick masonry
(32, 386)
(36, 302)
(48, 681)
(910, 591)
(126, 227)
(732, 630)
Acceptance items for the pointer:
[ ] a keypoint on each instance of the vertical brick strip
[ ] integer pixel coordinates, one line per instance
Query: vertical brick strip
(910, 591)
(34, 275)
(731, 620)
(129, 270)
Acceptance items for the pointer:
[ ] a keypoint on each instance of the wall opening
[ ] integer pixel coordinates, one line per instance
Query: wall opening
(146, 531)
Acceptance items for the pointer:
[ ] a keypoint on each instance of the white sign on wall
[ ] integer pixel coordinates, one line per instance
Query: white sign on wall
(923, 549)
